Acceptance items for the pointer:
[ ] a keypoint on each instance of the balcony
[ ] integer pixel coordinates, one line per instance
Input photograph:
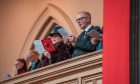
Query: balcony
(85, 69)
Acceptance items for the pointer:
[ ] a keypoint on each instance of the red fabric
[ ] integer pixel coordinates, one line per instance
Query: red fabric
(21, 71)
(116, 42)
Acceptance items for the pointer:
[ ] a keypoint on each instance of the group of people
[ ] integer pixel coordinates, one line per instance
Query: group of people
(65, 47)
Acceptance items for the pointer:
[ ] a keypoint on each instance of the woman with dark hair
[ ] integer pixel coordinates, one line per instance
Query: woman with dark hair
(21, 66)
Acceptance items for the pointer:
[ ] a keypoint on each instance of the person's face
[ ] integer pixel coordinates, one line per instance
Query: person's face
(32, 57)
(82, 20)
(56, 39)
(19, 65)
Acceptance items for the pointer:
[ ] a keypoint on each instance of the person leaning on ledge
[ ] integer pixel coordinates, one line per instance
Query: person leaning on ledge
(82, 44)
(21, 66)
(33, 57)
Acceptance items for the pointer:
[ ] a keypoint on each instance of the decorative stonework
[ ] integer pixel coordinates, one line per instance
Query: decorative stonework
(92, 79)
(74, 81)
(85, 69)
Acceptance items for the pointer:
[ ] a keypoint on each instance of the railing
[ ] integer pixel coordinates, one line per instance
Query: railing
(85, 69)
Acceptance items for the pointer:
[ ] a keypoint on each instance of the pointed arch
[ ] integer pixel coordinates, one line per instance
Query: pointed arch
(51, 16)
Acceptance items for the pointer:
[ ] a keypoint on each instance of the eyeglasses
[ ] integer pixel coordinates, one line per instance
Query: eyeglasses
(81, 18)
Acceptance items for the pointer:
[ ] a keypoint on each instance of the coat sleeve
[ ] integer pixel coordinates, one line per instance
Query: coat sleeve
(85, 44)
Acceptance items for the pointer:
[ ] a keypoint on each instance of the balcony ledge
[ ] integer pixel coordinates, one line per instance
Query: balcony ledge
(76, 70)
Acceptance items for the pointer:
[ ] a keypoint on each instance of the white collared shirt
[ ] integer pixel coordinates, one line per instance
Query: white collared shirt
(88, 28)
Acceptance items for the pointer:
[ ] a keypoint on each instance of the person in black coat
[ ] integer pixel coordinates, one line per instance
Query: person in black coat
(61, 50)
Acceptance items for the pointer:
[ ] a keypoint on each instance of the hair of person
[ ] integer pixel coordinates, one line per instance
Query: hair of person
(34, 52)
(87, 14)
(24, 62)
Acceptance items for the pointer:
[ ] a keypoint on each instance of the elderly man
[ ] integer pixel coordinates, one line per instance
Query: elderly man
(33, 57)
(82, 44)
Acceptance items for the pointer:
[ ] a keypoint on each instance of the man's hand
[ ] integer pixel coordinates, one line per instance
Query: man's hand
(47, 54)
(94, 41)
(72, 38)
(66, 40)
